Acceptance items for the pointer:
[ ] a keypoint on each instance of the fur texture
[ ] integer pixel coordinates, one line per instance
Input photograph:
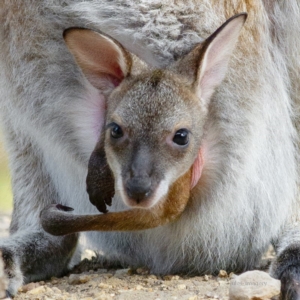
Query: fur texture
(249, 192)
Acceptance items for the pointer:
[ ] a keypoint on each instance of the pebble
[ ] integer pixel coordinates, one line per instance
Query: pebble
(104, 286)
(122, 272)
(78, 279)
(171, 277)
(56, 290)
(138, 287)
(37, 290)
(223, 274)
(142, 271)
(28, 287)
(205, 277)
(181, 286)
(253, 285)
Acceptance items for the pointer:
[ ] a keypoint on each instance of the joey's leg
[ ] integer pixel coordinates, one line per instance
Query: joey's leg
(286, 266)
(57, 220)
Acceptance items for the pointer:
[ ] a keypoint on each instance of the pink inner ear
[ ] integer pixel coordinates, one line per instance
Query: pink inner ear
(197, 168)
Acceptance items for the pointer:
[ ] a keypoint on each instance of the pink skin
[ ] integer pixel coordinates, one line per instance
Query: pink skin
(89, 119)
(197, 169)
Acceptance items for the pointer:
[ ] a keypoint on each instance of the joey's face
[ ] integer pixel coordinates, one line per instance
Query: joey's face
(153, 134)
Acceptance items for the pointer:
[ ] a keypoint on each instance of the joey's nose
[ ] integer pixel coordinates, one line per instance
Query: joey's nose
(138, 188)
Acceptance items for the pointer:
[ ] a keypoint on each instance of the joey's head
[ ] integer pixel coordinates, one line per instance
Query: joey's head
(153, 134)
(155, 119)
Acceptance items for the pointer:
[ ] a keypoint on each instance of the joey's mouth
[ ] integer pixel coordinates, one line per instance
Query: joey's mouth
(143, 197)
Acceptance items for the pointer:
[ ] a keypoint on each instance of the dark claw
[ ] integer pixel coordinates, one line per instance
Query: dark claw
(96, 199)
(8, 294)
(64, 208)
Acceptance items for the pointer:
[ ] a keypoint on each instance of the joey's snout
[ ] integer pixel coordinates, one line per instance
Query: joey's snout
(139, 179)
(138, 188)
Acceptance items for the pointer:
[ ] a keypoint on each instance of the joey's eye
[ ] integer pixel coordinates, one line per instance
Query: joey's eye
(116, 131)
(181, 137)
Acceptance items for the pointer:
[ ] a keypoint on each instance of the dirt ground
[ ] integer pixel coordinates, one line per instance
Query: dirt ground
(89, 281)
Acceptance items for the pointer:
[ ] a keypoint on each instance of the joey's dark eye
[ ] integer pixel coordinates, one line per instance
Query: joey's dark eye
(116, 131)
(181, 137)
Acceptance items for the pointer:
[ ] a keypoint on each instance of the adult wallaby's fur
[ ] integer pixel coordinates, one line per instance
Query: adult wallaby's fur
(248, 194)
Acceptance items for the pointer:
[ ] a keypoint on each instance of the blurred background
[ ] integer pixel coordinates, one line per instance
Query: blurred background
(5, 187)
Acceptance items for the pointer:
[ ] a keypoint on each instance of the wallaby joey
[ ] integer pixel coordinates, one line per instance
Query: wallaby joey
(175, 125)
(153, 132)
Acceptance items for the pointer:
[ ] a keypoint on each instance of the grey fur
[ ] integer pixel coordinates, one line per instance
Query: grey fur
(252, 193)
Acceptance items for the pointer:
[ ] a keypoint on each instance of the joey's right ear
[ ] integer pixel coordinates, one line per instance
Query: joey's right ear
(104, 61)
(206, 65)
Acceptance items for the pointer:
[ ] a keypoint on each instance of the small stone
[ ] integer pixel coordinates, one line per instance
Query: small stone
(138, 287)
(223, 274)
(253, 285)
(56, 290)
(205, 278)
(78, 279)
(104, 286)
(181, 286)
(122, 272)
(171, 277)
(37, 290)
(193, 298)
(142, 271)
(28, 287)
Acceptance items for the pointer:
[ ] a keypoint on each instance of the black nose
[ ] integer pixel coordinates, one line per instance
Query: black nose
(138, 188)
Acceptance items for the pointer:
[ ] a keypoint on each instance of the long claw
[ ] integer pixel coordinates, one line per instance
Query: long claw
(63, 207)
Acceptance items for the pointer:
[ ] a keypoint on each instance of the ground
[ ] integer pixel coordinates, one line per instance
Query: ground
(89, 281)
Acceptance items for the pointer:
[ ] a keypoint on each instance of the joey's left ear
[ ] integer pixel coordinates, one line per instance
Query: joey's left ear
(103, 60)
(206, 65)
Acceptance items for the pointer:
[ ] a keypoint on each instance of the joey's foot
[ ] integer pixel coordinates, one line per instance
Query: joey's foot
(98, 199)
(290, 283)
(53, 218)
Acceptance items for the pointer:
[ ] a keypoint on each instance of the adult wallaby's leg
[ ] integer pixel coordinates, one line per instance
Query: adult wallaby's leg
(286, 266)
(285, 15)
(33, 190)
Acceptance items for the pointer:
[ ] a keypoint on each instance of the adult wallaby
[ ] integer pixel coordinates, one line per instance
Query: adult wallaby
(248, 193)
